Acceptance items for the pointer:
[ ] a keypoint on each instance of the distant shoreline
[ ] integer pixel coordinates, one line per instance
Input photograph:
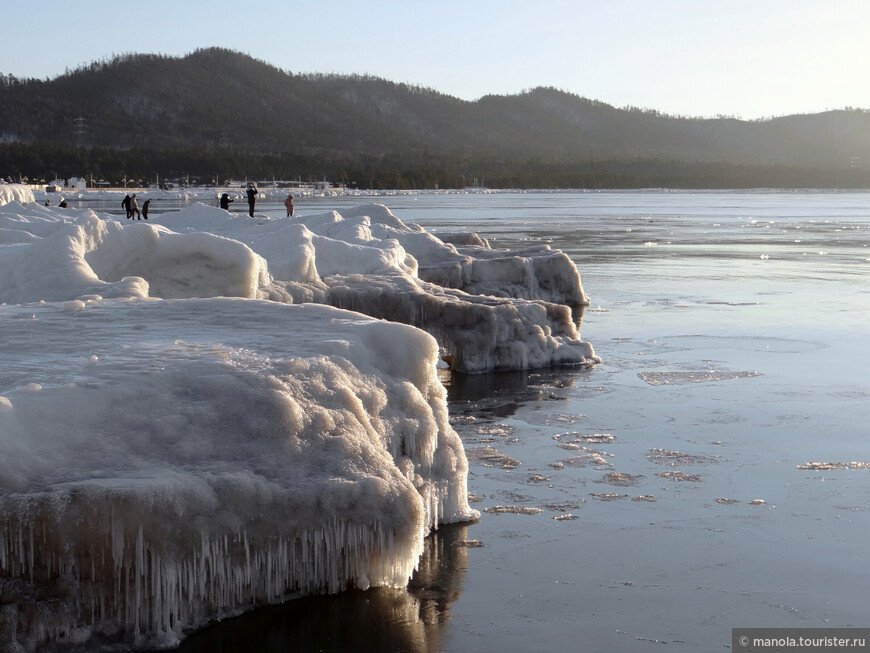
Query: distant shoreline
(213, 192)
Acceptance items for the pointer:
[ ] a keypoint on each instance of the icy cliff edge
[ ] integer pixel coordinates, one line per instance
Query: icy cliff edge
(488, 309)
(168, 462)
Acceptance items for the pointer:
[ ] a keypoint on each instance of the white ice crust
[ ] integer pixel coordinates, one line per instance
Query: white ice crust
(15, 193)
(188, 429)
(167, 462)
(489, 309)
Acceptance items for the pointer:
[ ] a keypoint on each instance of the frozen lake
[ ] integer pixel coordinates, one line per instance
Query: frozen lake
(669, 494)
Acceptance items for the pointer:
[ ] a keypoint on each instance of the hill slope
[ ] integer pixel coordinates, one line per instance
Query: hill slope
(220, 99)
(220, 113)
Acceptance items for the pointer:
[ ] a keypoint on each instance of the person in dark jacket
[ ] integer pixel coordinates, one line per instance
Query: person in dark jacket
(145, 208)
(125, 204)
(225, 202)
(252, 198)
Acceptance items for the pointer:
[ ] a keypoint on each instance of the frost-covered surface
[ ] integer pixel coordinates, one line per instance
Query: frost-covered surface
(468, 263)
(490, 309)
(15, 193)
(477, 332)
(532, 273)
(182, 438)
(165, 462)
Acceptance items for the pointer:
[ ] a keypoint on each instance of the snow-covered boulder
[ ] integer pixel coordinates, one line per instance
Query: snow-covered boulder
(489, 309)
(168, 462)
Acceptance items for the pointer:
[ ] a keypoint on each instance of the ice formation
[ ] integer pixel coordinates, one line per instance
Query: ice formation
(188, 429)
(15, 193)
(489, 309)
(165, 462)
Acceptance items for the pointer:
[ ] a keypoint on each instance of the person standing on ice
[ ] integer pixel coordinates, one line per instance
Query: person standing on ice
(252, 198)
(225, 202)
(134, 208)
(125, 203)
(288, 203)
(145, 208)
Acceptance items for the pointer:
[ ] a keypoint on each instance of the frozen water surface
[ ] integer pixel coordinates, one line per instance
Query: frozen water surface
(737, 492)
(750, 499)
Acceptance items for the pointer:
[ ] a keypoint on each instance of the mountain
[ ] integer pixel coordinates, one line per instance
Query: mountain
(226, 103)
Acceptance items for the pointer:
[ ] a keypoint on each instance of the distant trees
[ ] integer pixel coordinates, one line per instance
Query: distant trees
(219, 112)
(415, 170)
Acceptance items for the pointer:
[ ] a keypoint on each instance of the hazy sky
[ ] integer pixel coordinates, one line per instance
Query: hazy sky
(749, 58)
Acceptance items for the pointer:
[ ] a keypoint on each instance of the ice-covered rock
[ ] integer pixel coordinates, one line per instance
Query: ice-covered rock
(168, 462)
(490, 309)
(175, 448)
(479, 333)
(532, 273)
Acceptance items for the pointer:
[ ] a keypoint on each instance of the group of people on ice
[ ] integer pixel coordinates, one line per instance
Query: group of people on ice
(130, 204)
(251, 193)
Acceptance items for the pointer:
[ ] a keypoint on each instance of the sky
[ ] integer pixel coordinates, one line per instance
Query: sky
(743, 58)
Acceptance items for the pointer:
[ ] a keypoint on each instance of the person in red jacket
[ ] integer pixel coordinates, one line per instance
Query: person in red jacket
(288, 203)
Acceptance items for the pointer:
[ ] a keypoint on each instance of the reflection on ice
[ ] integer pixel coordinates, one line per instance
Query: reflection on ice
(374, 621)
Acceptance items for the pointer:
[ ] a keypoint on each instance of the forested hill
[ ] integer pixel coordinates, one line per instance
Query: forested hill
(220, 101)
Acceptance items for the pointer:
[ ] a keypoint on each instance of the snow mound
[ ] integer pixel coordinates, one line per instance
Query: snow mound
(489, 309)
(168, 462)
(15, 193)
(479, 332)
(533, 273)
(188, 430)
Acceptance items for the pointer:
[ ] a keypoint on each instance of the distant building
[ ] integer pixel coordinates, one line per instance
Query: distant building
(326, 185)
